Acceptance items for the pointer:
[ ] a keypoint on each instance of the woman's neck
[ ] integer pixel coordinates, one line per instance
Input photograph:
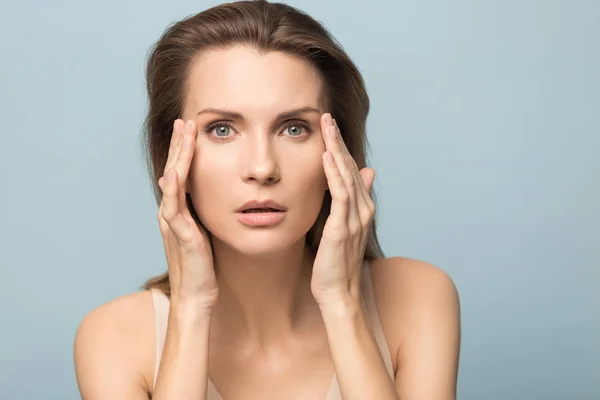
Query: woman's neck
(263, 299)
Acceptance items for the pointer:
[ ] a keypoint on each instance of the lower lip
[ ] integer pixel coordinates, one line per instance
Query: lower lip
(260, 218)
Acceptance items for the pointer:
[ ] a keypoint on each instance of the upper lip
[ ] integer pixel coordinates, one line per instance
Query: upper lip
(261, 204)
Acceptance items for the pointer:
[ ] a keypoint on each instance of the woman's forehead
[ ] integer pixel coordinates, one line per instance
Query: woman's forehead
(241, 78)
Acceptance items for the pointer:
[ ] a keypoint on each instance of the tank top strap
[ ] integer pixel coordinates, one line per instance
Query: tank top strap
(373, 315)
(161, 316)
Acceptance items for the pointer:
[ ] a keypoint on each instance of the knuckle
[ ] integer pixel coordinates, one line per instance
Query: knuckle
(371, 205)
(161, 219)
(344, 197)
(169, 216)
(190, 243)
(365, 220)
(164, 228)
(187, 242)
(337, 231)
(368, 211)
(337, 236)
(355, 229)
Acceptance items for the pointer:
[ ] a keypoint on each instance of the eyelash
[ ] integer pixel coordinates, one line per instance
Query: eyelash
(217, 124)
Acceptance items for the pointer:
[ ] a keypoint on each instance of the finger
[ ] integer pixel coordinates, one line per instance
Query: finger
(186, 152)
(170, 245)
(184, 158)
(175, 144)
(364, 203)
(350, 162)
(368, 177)
(340, 200)
(334, 145)
(170, 242)
(171, 210)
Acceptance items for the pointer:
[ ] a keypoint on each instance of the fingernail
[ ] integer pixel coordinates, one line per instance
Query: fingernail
(188, 124)
(328, 119)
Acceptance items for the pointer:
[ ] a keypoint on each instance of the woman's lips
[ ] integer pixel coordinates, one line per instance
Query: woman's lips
(255, 217)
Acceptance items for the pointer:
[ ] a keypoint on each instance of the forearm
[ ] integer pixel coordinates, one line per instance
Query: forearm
(183, 372)
(360, 370)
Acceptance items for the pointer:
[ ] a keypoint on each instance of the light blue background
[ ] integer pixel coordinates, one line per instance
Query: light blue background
(485, 135)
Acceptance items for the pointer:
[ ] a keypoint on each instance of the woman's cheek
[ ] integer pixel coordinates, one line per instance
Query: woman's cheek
(208, 175)
(315, 170)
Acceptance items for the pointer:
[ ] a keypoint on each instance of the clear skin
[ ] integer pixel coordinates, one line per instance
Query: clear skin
(259, 158)
(255, 156)
(266, 309)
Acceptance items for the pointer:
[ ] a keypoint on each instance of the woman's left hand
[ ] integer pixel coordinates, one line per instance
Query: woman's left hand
(336, 270)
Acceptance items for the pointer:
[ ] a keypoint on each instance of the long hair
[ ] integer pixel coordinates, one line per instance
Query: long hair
(264, 27)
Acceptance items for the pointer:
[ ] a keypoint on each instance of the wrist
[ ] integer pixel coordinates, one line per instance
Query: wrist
(195, 301)
(348, 305)
(188, 310)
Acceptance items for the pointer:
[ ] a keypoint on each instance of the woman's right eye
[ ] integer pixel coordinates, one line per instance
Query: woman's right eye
(220, 130)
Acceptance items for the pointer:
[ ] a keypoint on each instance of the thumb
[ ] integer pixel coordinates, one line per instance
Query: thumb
(368, 176)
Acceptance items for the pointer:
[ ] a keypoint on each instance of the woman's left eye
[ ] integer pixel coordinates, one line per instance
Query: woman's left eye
(296, 129)
(220, 130)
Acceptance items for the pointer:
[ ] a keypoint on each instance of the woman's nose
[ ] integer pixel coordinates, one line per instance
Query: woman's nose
(261, 165)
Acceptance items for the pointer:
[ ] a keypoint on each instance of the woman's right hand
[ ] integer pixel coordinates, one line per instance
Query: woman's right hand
(189, 254)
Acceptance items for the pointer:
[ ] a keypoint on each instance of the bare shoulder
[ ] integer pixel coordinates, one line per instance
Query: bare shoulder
(113, 349)
(414, 299)
(410, 280)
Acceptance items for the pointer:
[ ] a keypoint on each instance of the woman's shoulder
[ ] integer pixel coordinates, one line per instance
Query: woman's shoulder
(402, 284)
(125, 314)
(409, 294)
(116, 340)
(407, 277)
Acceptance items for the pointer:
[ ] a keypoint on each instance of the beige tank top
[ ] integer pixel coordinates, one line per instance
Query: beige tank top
(161, 313)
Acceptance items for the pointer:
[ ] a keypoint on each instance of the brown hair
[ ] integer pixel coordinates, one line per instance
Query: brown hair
(264, 27)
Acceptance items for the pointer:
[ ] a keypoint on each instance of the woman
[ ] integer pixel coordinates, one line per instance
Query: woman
(276, 285)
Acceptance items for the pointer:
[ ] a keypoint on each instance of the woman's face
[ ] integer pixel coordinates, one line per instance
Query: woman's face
(254, 152)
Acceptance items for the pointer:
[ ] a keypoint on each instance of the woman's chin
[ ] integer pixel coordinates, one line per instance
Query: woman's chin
(260, 243)
(258, 248)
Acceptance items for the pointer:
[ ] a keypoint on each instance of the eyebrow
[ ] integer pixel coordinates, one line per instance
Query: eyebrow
(237, 116)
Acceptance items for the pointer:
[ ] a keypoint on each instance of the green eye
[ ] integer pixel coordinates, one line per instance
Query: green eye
(222, 130)
(294, 130)
(297, 129)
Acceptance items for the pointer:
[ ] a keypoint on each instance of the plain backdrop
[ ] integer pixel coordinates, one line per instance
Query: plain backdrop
(484, 131)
